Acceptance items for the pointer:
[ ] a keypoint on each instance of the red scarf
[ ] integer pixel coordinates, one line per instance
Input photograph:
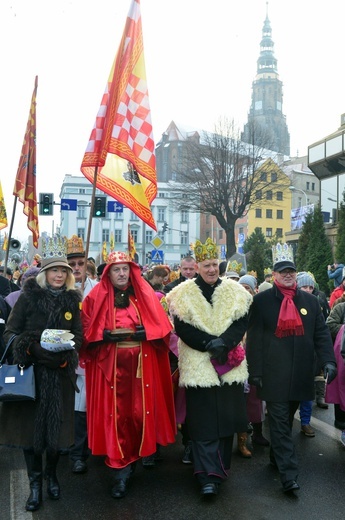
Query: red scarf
(289, 320)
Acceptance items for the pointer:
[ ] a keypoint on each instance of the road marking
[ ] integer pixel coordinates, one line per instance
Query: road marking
(18, 482)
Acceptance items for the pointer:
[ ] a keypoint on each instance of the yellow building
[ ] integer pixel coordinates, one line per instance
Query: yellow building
(271, 210)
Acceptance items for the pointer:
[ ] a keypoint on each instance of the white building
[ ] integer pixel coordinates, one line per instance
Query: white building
(183, 227)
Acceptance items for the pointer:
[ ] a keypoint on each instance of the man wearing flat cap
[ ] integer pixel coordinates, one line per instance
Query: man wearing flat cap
(286, 329)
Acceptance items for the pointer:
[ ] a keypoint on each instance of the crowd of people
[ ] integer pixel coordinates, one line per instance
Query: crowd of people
(207, 352)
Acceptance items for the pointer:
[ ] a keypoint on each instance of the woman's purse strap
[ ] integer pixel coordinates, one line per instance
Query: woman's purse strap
(9, 343)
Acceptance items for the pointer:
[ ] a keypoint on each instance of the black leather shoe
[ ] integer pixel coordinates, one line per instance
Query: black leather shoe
(149, 462)
(290, 485)
(119, 490)
(79, 466)
(209, 489)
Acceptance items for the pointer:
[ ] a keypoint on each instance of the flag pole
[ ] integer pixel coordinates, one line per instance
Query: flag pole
(87, 247)
(10, 235)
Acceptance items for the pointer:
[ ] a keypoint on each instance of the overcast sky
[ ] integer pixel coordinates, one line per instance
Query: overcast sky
(201, 59)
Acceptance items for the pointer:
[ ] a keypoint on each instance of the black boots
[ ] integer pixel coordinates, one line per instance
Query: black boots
(53, 486)
(257, 436)
(34, 469)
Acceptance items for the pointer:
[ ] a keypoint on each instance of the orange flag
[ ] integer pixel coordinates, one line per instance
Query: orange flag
(3, 214)
(25, 183)
(121, 144)
(131, 244)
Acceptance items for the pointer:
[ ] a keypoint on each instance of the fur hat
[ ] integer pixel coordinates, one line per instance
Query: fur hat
(264, 286)
(248, 279)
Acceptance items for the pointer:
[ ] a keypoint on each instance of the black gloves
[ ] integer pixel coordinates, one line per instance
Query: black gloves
(45, 357)
(139, 334)
(218, 350)
(330, 372)
(255, 381)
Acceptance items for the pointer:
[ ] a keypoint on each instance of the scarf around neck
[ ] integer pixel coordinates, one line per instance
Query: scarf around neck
(289, 320)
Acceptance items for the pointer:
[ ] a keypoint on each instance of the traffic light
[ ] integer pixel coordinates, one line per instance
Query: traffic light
(165, 227)
(46, 203)
(99, 207)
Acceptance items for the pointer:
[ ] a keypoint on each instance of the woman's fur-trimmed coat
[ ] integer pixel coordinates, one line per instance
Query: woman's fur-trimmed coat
(46, 422)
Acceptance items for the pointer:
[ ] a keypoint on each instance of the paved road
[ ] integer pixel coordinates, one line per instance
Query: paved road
(169, 491)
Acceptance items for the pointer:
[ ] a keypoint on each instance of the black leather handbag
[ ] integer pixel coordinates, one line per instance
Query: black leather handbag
(17, 382)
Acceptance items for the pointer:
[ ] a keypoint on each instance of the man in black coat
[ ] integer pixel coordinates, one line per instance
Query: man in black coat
(286, 329)
(187, 271)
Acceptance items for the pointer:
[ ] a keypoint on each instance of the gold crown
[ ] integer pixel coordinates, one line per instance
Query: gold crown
(234, 266)
(53, 249)
(253, 273)
(282, 253)
(267, 270)
(205, 251)
(75, 246)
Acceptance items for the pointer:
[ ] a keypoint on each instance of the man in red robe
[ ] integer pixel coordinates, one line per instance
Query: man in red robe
(130, 405)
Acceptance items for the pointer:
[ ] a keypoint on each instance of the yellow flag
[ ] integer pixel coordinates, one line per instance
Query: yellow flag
(3, 214)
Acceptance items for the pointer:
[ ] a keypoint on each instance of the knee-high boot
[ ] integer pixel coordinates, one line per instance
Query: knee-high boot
(34, 469)
(53, 486)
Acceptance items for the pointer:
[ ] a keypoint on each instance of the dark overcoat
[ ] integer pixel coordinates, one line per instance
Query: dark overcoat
(286, 365)
(27, 423)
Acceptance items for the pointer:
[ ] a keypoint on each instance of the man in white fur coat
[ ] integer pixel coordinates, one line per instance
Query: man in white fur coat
(210, 318)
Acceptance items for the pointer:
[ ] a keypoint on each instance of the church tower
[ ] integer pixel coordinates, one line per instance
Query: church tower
(266, 125)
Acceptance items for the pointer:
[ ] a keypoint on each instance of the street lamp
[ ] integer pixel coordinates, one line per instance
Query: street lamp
(293, 188)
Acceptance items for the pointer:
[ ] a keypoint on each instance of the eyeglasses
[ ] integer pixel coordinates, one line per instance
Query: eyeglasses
(290, 272)
(80, 263)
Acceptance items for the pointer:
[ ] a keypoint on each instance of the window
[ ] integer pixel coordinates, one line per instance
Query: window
(105, 235)
(118, 215)
(269, 213)
(207, 218)
(263, 177)
(81, 211)
(81, 233)
(134, 233)
(133, 216)
(148, 236)
(220, 234)
(279, 195)
(313, 186)
(184, 238)
(258, 194)
(274, 177)
(161, 214)
(184, 215)
(279, 213)
(118, 236)
(279, 232)
(269, 195)
(308, 185)
(258, 213)
(240, 230)
(268, 231)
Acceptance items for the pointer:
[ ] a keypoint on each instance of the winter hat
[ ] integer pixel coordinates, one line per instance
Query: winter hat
(305, 280)
(232, 274)
(31, 271)
(248, 279)
(264, 286)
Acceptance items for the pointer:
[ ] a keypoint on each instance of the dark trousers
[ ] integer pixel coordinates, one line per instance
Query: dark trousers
(80, 449)
(212, 459)
(280, 419)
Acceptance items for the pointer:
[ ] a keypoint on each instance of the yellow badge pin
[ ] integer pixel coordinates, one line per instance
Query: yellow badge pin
(68, 316)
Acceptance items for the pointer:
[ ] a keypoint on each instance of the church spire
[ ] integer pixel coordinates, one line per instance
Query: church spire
(267, 63)
(266, 110)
